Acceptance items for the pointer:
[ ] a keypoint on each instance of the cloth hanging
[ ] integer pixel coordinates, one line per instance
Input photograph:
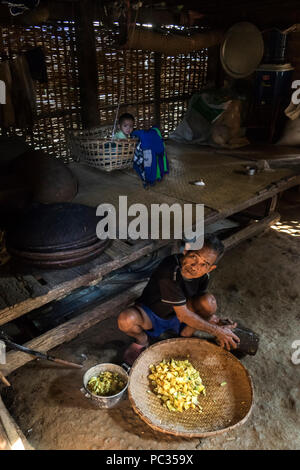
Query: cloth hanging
(163, 163)
(150, 159)
(138, 163)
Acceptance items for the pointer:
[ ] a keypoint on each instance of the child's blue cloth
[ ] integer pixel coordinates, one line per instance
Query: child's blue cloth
(150, 160)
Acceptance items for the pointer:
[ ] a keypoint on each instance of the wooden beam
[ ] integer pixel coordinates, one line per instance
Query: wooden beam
(157, 88)
(87, 64)
(62, 289)
(15, 439)
(216, 13)
(271, 205)
(4, 444)
(251, 230)
(72, 328)
(213, 66)
(281, 185)
(147, 39)
(4, 380)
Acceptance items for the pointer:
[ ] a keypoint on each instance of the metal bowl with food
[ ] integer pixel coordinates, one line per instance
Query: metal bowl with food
(105, 384)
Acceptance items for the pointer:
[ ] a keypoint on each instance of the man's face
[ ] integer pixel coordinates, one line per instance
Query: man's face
(197, 263)
(127, 126)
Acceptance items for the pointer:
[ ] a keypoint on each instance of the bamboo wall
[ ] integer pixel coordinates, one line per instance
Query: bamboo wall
(57, 100)
(156, 89)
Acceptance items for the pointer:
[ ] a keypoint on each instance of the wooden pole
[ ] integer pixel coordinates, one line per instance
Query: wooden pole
(4, 380)
(15, 437)
(72, 328)
(173, 44)
(92, 277)
(251, 230)
(213, 66)
(87, 64)
(157, 88)
(4, 444)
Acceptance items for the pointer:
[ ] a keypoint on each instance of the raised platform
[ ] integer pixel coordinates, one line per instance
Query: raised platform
(227, 191)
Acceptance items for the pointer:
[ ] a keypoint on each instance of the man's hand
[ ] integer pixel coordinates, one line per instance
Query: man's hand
(226, 338)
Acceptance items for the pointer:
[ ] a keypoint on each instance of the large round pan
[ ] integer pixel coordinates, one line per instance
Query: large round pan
(58, 255)
(63, 263)
(242, 50)
(224, 406)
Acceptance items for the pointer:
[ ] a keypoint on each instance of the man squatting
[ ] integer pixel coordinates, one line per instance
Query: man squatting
(177, 298)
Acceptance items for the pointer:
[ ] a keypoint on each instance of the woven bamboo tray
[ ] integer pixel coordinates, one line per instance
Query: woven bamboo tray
(224, 407)
(95, 148)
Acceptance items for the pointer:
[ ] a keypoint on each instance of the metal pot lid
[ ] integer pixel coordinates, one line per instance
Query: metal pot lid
(54, 227)
(242, 50)
(63, 263)
(58, 254)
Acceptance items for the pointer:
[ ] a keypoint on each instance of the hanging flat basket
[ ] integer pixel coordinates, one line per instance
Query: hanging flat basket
(242, 50)
(96, 149)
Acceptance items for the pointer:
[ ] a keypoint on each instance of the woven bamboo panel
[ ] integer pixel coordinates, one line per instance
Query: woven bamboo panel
(126, 77)
(57, 100)
(225, 183)
(183, 74)
(180, 77)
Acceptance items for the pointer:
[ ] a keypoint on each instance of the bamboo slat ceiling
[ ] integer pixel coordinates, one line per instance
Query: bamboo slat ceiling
(177, 78)
(217, 13)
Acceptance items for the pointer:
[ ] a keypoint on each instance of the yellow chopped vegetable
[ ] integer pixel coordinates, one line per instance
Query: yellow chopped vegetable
(106, 384)
(177, 384)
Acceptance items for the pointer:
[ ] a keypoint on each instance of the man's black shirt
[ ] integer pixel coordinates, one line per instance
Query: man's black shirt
(167, 287)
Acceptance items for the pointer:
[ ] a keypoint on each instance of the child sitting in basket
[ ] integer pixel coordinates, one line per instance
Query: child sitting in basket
(150, 160)
(126, 123)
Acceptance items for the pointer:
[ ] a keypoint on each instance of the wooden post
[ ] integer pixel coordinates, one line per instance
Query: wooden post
(157, 87)
(87, 64)
(271, 205)
(11, 435)
(213, 66)
(251, 230)
(4, 444)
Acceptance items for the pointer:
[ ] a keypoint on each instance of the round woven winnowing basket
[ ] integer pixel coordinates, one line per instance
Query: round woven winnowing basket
(224, 406)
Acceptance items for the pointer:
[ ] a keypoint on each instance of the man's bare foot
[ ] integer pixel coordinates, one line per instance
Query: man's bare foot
(133, 352)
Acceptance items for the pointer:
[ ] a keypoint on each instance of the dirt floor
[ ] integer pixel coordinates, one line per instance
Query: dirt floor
(258, 284)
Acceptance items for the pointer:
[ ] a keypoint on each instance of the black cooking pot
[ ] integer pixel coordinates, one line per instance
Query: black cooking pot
(55, 235)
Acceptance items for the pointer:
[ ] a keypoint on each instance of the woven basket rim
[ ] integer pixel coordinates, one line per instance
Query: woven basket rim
(119, 141)
(89, 134)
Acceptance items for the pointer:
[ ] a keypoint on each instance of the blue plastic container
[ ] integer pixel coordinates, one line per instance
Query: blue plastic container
(272, 81)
